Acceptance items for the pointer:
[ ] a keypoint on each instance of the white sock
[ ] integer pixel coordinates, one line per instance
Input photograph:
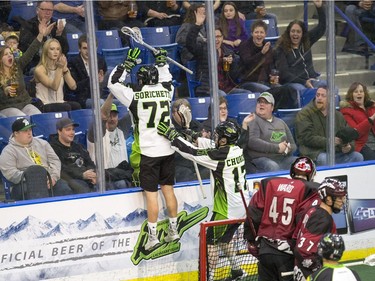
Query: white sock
(152, 226)
(173, 221)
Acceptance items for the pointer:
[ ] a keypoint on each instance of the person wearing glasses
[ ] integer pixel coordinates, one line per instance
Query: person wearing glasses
(270, 144)
(29, 30)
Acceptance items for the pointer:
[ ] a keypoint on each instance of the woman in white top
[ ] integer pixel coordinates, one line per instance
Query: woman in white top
(50, 74)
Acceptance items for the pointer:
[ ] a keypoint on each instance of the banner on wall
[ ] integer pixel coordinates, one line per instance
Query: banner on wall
(362, 213)
(106, 233)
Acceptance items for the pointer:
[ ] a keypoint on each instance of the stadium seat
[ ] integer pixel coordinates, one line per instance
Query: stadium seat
(73, 43)
(46, 123)
(288, 116)
(156, 35)
(173, 29)
(108, 39)
(84, 117)
(191, 78)
(122, 111)
(114, 56)
(199, 108)
(6, 128)
(308, 94)
(22, 9)
(6, 185)
(241, 104)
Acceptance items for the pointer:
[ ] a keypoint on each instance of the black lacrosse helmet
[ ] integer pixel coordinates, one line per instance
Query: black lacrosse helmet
(303, 166)
(331, 247)
(228, 130)
(148, 75)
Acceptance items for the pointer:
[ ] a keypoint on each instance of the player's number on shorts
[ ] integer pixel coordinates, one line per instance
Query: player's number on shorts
(164, 116)
(287, 212)
(236, 176)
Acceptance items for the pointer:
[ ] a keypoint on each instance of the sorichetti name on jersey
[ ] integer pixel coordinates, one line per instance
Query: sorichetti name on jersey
(152, 94)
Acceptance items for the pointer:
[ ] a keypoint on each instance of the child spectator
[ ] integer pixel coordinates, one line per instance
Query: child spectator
(12, 41)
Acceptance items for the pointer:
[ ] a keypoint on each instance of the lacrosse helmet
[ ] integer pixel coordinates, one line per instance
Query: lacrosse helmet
(303, 166)
(331, 247)
(333, 188)
(228, 130)
(148, 75)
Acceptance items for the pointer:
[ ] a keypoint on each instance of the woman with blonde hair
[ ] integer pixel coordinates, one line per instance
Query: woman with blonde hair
(359, 112)
(14, 98)
(50, 75)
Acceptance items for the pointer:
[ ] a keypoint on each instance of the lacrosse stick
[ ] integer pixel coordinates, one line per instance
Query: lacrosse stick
(136, 34)
(185, 114)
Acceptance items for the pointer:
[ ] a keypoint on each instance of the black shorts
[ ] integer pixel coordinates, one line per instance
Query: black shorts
(220, 233)
(156, 170)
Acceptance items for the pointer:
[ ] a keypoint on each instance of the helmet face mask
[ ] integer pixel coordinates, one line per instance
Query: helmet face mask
(335, 189)
(303, 166)
(227, 130)
(331, 247)
(148, 75)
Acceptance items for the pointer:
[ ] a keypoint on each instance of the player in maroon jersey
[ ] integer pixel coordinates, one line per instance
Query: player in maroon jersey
(315, 223)
(275, 210)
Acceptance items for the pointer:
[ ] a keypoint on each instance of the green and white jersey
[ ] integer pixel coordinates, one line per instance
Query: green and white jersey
(227, 165)
(148, 106)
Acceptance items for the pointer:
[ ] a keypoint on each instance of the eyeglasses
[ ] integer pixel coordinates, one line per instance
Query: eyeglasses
(218, 36)
(323, 95)
(46, 10)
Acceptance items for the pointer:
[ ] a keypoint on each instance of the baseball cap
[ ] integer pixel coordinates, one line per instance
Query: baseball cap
(12, 35)
(268, 97)
(114, 108)
(65, 122)
(21, 124)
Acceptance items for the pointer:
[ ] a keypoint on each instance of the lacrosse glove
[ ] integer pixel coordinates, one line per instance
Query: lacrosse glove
(184, 113)
(131, 59)
(190, 135)
(167, 132)
(160, 57)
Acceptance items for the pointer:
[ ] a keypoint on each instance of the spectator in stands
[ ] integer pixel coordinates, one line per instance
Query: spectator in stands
(50, 75)
(116, 14)
(30, 29)
(115, 132)
(79, 68)
(226, 72)
(74, 14)
(182, 32)
(354, 9)
(223, 116)
(77, 168)
(160, 13)
(257, 69)
(184, 169)
(15, 100)
(359, 112)
(311, 132)
(187, 4)
(270, 142)
(293, 52)
(367, 19)
(232, 26)
(24, 151)
(12, 41)
(249, 10)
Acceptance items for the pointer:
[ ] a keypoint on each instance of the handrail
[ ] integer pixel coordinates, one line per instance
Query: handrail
(356, 28)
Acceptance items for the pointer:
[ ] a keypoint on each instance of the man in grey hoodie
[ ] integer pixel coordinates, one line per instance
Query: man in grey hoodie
(24, 151)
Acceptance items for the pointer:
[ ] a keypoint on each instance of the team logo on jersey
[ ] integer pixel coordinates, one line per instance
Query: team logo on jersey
(363, 213)
(184, 222)
(277, 136)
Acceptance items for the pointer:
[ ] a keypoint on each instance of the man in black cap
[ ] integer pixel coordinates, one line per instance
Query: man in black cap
(24, 151)
(77, 167)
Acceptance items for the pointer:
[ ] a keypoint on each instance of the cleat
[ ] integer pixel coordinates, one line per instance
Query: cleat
(152, 242)
(172, 234)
